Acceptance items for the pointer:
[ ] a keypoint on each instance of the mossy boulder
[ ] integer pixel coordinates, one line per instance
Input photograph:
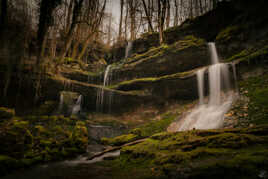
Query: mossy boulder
(141, 132)
(35, 139)
(6, 113)
(47, 108)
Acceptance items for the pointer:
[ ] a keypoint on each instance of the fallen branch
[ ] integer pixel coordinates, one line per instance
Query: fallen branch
(115, 148)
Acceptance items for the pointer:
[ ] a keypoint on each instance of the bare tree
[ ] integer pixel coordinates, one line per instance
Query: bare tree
(121, 20)
(162, 6)
(69, 37)
(148, 16)
(168, 14)
(94, 21)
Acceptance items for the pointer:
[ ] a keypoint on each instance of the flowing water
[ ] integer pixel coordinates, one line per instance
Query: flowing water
(235, 77)
(61, 102)
(210, 115)
(77, 107)
(128, 49)
(67, 169)
(104, 98)
(213, 53)
(200, 82)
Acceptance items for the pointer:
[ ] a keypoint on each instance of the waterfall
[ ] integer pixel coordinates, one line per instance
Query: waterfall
(213, 53)
(235, 76)
(214, 73)
(211, 115)
(69, 103)
(200, 82)
(61, 102)
(77, 107)
(102, 94)
(128, 49)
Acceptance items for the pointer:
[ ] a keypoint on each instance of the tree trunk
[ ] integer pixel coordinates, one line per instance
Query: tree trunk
(121, 20)
(68, 20)
(176, 16)
(201, 7)
(126, 18)
(162, 5)
(168, 14)
(53, 46)
(132, 19)
(3, 16)
(147, 16)
(69, 38)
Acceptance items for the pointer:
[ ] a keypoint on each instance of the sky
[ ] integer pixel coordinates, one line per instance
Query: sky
(114, 8)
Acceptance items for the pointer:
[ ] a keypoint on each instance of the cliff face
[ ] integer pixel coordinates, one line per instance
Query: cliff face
(161, 73)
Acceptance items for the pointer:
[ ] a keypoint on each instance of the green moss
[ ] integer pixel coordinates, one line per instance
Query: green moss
(161, 51)
(47, 108)
(42, 138)
(6, 113)
(250, 54)
(143, 131)
(228, 33)
(256, 88)
(237, 150)
(180, 75)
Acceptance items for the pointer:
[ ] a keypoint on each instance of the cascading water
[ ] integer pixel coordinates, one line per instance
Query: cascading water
(101, 94)
(77, 107)
(61, 103)
(128, 49)
(213, 53)
(211, 115)
(200, 81)
(235, 76)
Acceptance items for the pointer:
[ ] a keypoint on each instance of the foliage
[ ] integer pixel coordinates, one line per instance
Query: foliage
(34, 139)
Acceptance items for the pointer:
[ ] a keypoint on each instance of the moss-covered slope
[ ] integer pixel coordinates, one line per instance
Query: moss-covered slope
(237, 153)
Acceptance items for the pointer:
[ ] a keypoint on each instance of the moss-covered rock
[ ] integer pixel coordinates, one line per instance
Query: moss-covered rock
(193, 154)
(256, 89)
(6, 113)
(36, 139)
(141, 132)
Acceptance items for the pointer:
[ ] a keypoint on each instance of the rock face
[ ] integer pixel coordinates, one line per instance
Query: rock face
(153, 72)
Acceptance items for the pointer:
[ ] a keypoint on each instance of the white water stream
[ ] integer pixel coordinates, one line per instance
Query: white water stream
(210, 115)
(77, 107)
(104, 98)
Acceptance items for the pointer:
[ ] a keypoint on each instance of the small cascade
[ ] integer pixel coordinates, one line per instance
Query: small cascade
(69, 103)
(211, 115)
(128, 49)
(226, 76)
(214, 73)
(213, 53)
(104, 98)
(200, 82)
(235, 76)
(77, 107)
(61, 102)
